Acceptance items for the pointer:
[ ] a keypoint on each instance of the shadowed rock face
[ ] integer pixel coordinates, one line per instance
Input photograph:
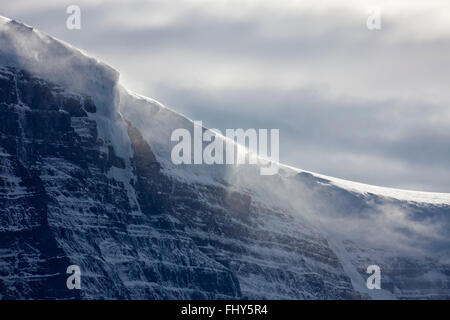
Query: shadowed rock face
(67, 198)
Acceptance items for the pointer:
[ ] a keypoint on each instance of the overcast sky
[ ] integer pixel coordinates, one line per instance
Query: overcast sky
(365, 105)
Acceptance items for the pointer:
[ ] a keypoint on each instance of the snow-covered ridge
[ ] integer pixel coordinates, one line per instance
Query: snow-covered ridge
(399, 194)
(147, 112)
(58, 62)
(51, 59)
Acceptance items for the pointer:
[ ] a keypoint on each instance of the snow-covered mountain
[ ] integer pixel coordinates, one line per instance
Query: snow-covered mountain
(86, 179)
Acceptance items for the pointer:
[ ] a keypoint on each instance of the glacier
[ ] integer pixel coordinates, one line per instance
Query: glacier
(86, 179)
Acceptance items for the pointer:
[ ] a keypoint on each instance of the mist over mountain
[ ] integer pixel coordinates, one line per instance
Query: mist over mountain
(86, 179)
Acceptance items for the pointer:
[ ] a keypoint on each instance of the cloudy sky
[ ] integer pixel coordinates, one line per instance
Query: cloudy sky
(365, 105)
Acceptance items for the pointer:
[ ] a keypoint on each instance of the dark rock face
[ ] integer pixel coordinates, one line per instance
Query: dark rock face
(67, 198)
(32, 263)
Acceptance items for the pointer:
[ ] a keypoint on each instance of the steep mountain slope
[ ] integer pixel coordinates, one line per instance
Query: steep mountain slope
(86, 179)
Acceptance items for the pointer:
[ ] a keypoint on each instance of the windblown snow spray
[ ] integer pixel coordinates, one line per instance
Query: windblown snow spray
(236, 150)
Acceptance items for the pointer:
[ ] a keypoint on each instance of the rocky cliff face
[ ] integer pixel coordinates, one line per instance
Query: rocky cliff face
(65, 200)
(86, 179)
(62, 205)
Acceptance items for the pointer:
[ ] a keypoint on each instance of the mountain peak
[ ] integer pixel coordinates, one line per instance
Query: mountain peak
(25, 48)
